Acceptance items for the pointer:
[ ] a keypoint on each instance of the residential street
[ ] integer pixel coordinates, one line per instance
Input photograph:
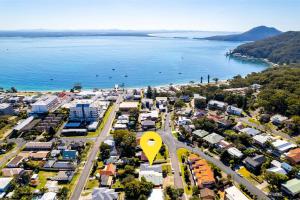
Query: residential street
(173, 145)
(20, 143)
(93, 153)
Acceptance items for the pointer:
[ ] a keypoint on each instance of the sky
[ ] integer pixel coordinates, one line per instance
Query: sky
(206, 15)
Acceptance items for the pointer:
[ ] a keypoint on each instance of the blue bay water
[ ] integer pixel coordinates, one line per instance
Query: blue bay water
(58, 63)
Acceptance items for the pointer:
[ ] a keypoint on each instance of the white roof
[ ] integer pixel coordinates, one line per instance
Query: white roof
(250, 131)
(4, 105)
(4, 182)
(156, 194)
(48, 196)
(282, 145)
(235, 152)
(262, 138)
(129, 104)
(46, 100)
(23, 123)
(233, 193)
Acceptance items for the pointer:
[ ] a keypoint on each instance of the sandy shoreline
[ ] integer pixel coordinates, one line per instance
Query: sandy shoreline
(128, 88)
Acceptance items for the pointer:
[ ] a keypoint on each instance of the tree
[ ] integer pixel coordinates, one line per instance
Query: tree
(179, 104)
(135, 188)
(201, 79)
(63, 193)
(125, 142)
(196, 190)
(104, 151)
(162, 149)
(173, 193)
(275, 179)
(149, 92)
(208, 77)
(216, 80)
(13, 90)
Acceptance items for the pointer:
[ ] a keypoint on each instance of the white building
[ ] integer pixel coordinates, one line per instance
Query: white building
(234, 110)
(156, 194)
(85, 111)
(45, 104)
(278, 119)
(4, 184)
(6, 109)
(235, 152)
(48, 196)
(283, 146)
(104, 194)
(233, 193)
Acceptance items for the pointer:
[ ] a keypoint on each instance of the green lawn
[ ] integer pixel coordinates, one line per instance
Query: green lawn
(117, 185)
(180, 153)
(254, 121)
(92, 184)
(43, 176)
(167, 167)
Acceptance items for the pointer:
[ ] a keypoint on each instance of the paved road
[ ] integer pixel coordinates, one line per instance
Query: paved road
(174, 144)
(93, 153)
(20, 143)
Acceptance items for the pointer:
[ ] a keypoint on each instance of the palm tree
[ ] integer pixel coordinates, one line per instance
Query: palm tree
(201, 79)
(208, 77)
(216, 80)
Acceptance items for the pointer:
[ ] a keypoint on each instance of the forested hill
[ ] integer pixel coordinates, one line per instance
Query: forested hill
(254, 34)
(280, 91)
(284, 48)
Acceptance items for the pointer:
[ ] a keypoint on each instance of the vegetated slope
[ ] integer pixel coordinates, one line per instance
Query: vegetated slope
(254, 34)
(280, 91)
(284, 48)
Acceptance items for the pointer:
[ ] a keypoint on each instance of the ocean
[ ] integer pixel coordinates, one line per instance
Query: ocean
(57, 63)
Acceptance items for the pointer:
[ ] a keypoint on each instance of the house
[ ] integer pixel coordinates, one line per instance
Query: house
(48, 196)
(10, 172)
(156, 194)
(52, 186)
(6, 109)
(148, 124)
(250, 131)
(232, 110)
(104, 194)
(219, 105)
(120, 126)
(38, 146)
(183, 121)
(278, 119)
(70, 154)
(106, 181)
(233, 193)
(234, 152)
(5, 184)
(161, 101)
(147, 167)
(20, 126)
(254, 163)
(202, 173)
(45, 104)
(293, 156)
(147, 103)
(63, 176)
(213, 138)
(34, 180)
(200, 133)
(126, 106)
(282, 146)
(152, 176)
(223, 144)
(109, 170)
(207, 194)
(185, 98)
(55, 153)
(262, 139)
(291, 187)
(15, 162)
(123, 117)
(238, 127)
(152, 115)
(64, 165)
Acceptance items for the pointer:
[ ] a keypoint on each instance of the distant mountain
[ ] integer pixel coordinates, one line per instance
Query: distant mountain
(283, 48)
(254, 34)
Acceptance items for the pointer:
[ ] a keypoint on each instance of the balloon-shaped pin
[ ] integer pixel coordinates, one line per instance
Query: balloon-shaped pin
(150, 143)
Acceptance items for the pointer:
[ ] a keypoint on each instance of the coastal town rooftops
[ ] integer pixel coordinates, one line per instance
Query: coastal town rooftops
(4, 183)
(213, 138)
(233, 193)
(292, 186)
(24, 123)
(38, 145)
(294, 155)
(262, 139)
(4, 105)
(250, 131)
(200, 133)
(128, 105)
(46, 100)
(282, 145)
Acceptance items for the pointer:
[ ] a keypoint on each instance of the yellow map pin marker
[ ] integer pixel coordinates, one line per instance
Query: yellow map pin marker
(150, 143)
